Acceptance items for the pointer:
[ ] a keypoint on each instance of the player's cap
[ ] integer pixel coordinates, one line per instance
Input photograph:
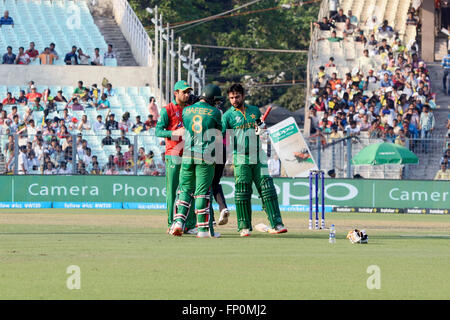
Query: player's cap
(181, 85)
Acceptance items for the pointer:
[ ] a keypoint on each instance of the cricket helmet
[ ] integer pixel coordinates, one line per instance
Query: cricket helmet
(211, 94)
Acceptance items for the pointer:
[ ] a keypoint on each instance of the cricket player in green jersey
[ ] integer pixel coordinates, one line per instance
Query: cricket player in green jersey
(170, 127)
(250, 163)
(203, 124)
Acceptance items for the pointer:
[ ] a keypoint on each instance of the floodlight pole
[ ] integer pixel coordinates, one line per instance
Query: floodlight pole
(155, 72)
(160, 63)
(167, 63)
(172, 64)
(179, 59)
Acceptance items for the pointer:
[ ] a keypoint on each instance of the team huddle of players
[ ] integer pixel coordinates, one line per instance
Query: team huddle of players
(196, 138)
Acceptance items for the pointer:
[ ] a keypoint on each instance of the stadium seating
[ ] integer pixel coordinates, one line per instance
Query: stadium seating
(55, 21)
(128, 99)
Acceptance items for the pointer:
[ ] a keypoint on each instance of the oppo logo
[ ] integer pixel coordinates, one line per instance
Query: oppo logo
(300, 191)
(280, 132)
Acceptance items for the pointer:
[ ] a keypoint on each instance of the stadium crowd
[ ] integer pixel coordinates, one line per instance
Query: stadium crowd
(75, 57)
(46, 146)
(387, 93)
(49, 55)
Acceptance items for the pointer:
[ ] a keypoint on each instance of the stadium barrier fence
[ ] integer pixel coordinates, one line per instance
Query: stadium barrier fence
(134, 192)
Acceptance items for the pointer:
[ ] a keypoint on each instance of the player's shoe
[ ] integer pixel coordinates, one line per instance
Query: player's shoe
(207, 234)
(278, 229)
(245, 233)
(191, 231)
(176, 229)
(224, 214)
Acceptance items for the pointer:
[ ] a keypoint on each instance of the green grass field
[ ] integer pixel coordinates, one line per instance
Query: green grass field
(126, 254)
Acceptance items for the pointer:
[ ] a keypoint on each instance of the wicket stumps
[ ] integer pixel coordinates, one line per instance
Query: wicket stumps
(314, 197)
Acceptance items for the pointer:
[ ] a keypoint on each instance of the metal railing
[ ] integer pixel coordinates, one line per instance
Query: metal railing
(133, 30)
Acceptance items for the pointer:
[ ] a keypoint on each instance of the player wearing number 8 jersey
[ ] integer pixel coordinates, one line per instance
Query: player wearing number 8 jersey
(203, 125)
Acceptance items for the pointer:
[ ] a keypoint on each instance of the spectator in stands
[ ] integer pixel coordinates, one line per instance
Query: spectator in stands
(353, 19)
(122, 140)
(325, 24)
(111, 123)
(153, 108)
(109, 91)
(84, 123)
(31, 97)
(6, 20)
(426, 125)
(23, 160)
(401, 138)
(103, 103)
(9, 57)
(53, 51)
(150, 123)
(138, 126)
(9, 99)
(443, 173)
(32, 52)
(111, 169)
(75, 106)
(128, 156)
(81, 168)
(86, 99)
(46, 57)
(348, 29)
(37, 105)
(333, 38)
(59, 97)
(95, 168)
(330, 63)
(83, 58)
(386, 81)
(63, 133)
(385, 29)
(99, 124)
(119, 161)
(81, 149)
(109, 54)
(71, 57)
(108, 140)
(79, 90)
(339, 17)
(125, 124)
(360, 36)
(97, 59)
(22, 57)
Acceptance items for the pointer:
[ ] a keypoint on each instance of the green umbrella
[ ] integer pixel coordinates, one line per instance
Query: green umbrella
(384, 153)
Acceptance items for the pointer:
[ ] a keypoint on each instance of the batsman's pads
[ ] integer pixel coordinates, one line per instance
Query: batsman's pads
(357, 236)
(182, 207)
(242, 198)
(270, 202)
(202, 202)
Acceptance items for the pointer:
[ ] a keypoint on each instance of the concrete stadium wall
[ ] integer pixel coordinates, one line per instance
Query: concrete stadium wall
(69, 75)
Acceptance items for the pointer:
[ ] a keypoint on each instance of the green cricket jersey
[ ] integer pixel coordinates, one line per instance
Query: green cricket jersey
(246, 142)
(199, 121)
